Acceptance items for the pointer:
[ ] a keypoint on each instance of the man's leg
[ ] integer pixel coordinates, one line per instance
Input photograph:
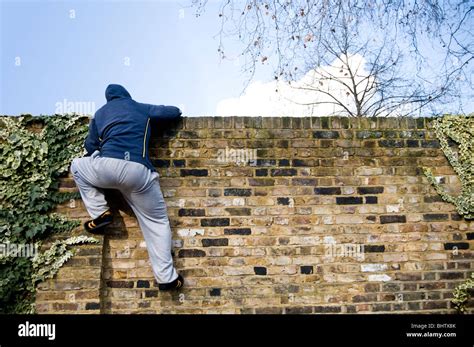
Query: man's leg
(150, 209)
(85, 178)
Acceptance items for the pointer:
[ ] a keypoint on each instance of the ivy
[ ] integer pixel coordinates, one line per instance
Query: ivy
(462, 293)
(36, 152)
(456, 137)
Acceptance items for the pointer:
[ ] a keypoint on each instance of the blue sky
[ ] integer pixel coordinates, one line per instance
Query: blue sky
(62, 52)
(158, 50)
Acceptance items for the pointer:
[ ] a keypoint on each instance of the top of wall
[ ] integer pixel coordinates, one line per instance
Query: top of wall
(306, 123)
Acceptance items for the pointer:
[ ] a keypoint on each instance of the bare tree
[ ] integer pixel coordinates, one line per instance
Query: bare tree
(397, 39)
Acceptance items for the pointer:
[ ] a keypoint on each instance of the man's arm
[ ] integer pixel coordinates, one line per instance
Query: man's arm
(92, 141)
(161, 112)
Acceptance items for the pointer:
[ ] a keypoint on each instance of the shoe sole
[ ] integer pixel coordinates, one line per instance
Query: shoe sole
(98, 228)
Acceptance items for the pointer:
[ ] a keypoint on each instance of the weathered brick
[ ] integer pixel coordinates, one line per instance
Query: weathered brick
(327, 190)
(260, 270)
(237, 192)
(370, 190)
(349, 200)
(283, 172)
(194, 172)
(326, 134)
(435, 217)
(214, 242)
(191, 212)
(215, 222)
(191, 253)
(393, 219)
(237, 231)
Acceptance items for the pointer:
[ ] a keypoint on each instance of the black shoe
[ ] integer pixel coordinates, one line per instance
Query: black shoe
(175, 285)
(97, 226)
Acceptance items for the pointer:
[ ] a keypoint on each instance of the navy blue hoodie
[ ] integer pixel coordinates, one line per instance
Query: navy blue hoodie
(121, 128)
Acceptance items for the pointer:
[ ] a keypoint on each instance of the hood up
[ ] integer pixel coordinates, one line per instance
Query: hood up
(116, 91)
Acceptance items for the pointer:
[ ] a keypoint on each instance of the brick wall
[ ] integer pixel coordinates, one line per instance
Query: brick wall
(333, 216)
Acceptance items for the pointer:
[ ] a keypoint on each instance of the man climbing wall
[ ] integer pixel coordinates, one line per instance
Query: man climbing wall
(117, 158)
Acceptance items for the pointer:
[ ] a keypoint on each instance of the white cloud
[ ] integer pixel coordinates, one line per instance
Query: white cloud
(278, 98)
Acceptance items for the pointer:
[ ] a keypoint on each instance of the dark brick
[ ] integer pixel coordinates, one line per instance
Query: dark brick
(92, 306)
(371, 199)
(239, 211)
(420, 123)
(364, 298)
(283, 201)
(260, 270)
(193, 172)
(327, 309)
(391, 143)
(370, 190)
(266, 162)
(470, 236)
(191, 253)
(283, 172)
(151, 293)
(215, 292)
(391, 287)
(326, 134)
(325, 122)
(351, 309)
(143, 284)
(191, 212)
(381, 307)
(348, 200)
(215, 242)
(237, 192)
(304, 181)
(120, 284)
(456, 216)
(435, 217)
(393, 219)
(456, 245)
(261, 172)
(412, 143)
(432, 198)
(303, 162)
(306, 270)
(327, 191)
(215, 222)
(283, 162)
(408, 277)
(237, 231)
(179, 163)
(430, 144)
(298, 310)
(374, 248)
(160, 163)
(368, 134)
(390, 134)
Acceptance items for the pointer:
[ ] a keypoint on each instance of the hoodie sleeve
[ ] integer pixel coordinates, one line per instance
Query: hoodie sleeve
(92, 141)
(161, 112)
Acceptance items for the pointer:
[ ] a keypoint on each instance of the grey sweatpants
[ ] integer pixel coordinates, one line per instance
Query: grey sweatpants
(141, 189)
